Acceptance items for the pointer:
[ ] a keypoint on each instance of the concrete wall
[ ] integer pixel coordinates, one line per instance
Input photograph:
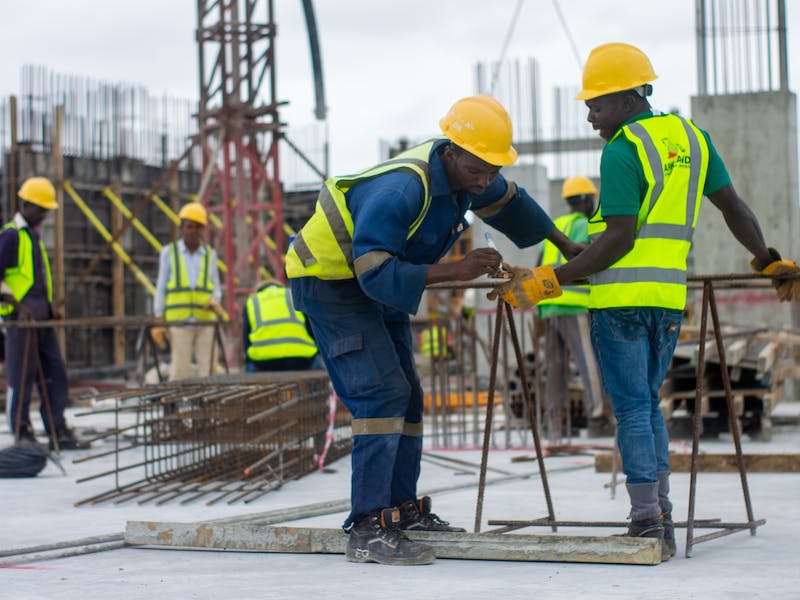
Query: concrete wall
(756, 136)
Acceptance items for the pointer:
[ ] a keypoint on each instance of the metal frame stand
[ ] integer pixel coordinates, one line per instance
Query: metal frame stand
(691, 523)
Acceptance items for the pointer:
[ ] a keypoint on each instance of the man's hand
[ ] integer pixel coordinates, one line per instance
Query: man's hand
(160, 336)
(786, 289)
(23, 312)
(217, 309)
(528, 287)
(57, 312)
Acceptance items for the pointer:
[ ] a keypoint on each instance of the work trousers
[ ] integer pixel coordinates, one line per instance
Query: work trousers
(194, 341)
(634, 349)
(565, 336)
(43, 346)
(368, 352)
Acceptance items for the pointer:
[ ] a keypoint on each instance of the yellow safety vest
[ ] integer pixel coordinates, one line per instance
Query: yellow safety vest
(277, 330)
(572, 295)
(183, 302)
(323, 248)
(433, 341)
(19, 279)
(674, 156)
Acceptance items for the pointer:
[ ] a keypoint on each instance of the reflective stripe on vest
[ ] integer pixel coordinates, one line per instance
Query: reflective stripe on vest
(182, 301)
(433, 341)
(572, 295)
(674, 157)
(323, 248)
(20, 279)
(277, 330)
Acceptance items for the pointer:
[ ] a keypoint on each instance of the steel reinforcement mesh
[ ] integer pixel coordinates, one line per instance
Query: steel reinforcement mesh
(231, 437)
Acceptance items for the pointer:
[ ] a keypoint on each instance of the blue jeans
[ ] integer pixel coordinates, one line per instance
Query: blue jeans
(368, 352)
(634, 348)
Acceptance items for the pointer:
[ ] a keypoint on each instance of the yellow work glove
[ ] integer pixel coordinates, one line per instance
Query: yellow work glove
(160, 336)
(786, 289)
(527, 287)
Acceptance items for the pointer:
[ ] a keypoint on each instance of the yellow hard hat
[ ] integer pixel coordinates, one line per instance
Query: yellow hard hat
(578, 186)
(39, 191)
(194, 211)
(613, 68)
(481, 126)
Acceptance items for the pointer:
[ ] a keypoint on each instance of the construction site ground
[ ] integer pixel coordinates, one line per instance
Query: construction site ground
(41, 511)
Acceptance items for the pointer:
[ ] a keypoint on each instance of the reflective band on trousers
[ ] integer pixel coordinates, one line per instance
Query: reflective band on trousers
(674, 157)
(571, 295)
(183, 302)
(324, 246)
(20, 279)
(386, 426)
(277, 330)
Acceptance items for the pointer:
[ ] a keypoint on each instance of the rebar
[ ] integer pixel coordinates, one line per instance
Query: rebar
(228, 436)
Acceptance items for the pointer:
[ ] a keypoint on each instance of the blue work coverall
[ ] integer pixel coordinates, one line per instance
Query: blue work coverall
(362, 326)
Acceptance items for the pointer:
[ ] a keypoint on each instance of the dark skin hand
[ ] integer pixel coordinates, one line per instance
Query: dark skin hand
(482, 261)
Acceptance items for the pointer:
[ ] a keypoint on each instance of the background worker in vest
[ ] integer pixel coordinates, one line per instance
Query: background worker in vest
(566, 323)
(654, 171)
(26, 292)
(276, 336)
(188, 289)
(358, 269)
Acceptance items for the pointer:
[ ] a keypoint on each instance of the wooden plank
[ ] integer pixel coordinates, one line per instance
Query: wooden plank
(718, 463)
(473, 546)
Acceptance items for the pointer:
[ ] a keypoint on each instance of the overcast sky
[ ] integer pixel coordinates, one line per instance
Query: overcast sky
(391, 69)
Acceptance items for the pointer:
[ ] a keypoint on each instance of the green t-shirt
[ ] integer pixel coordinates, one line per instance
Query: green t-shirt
(622, 181)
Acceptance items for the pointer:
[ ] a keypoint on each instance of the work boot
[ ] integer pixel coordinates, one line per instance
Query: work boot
(651, 528)
(669, 533)
(67, 441)
(376, 538)
(417, 516)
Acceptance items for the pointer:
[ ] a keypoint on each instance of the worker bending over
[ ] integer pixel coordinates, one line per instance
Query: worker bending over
(26, 293)
(188, 289)
(654, 171)
(276, 336)
(358, 269)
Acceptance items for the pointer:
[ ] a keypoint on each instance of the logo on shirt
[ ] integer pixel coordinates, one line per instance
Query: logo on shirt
(676, 155)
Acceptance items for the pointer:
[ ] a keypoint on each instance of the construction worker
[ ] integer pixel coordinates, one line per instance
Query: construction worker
(188, 289)
(358, 269)
(26, 293)
(654, 171)
(566, 323)
(276, 336)
(436, 341)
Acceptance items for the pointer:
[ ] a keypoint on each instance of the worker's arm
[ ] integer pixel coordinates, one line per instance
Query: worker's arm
(742, 223)
(164, 273)
(383, 209)
(245, 330)
(216, 294)
(615, 242)
(511, 210)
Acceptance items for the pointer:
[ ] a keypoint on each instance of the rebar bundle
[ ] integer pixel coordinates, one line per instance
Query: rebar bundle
(233, 437)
